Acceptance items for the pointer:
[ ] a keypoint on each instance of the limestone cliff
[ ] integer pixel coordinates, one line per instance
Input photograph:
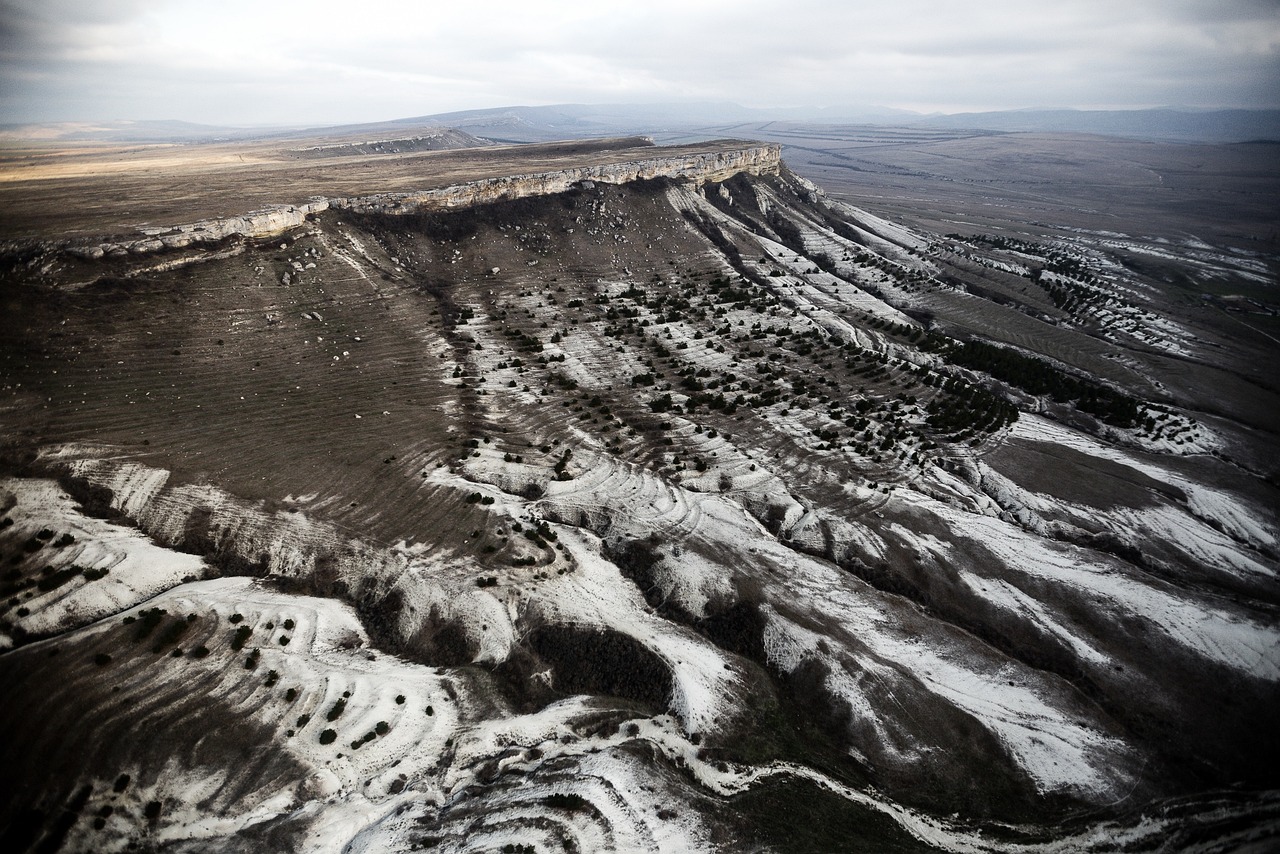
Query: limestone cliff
(714, 164)
(262, 223)
(698, 168)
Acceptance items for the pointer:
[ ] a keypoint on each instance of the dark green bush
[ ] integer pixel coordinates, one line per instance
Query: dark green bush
(171, 635)
(241, 637)
(57, 579)
(148, 620)
(566, 801)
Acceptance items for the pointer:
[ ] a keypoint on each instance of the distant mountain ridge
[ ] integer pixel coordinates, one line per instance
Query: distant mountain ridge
(1159, 124)
(517, 123)
(129, 131)
(527, 124)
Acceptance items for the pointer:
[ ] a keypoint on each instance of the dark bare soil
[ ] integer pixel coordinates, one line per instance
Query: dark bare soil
(673, 484)
(103, 190)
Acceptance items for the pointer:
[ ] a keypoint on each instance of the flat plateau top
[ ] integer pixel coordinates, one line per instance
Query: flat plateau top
(67, 191)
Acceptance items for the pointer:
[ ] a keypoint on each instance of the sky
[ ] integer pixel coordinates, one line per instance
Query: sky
(279, 62)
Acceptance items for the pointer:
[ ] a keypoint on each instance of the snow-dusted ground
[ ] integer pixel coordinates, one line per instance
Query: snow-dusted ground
(135, 569)
(1031, 716)
(1250, 525)
(435, 734)
(937, 623)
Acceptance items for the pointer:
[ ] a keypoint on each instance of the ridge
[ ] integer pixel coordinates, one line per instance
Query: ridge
(427, 181)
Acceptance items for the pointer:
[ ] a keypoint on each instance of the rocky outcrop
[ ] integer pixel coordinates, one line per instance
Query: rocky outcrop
(445, 138)
(262, 223)
(714, 164)
(697, 168)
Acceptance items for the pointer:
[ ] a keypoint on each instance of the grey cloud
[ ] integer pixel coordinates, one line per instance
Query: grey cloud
(295, 62)
(38, 27)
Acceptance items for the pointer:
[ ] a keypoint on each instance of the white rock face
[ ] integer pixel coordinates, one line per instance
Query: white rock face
(277, 219)
(261, 223)
(697, 168)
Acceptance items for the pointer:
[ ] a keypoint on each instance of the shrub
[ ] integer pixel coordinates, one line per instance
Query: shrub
(148, 620)
(171, 634)
(566, 801)
(328, 737)
(57, 579)
(240, 638)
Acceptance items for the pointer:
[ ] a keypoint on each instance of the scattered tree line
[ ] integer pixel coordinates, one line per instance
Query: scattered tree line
(1038, 377)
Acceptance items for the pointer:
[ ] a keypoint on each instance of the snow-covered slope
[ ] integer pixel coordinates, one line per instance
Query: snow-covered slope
(663, 516)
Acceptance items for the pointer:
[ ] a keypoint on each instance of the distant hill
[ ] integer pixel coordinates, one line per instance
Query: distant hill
(517, 124)
(423, 134)
(560, 121)
(1162, 124)
(129, 131)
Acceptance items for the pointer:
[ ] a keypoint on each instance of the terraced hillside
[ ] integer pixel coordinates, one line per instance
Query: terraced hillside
(678, 508)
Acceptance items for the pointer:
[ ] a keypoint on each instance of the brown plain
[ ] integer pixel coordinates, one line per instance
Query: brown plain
(106, 190)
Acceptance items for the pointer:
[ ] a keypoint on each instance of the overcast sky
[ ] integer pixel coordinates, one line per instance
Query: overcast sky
(285, 62)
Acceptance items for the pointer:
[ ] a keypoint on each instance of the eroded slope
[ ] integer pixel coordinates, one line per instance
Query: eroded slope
(681, 507)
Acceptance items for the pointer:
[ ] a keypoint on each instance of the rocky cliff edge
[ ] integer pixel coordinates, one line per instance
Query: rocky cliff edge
(696, 168)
